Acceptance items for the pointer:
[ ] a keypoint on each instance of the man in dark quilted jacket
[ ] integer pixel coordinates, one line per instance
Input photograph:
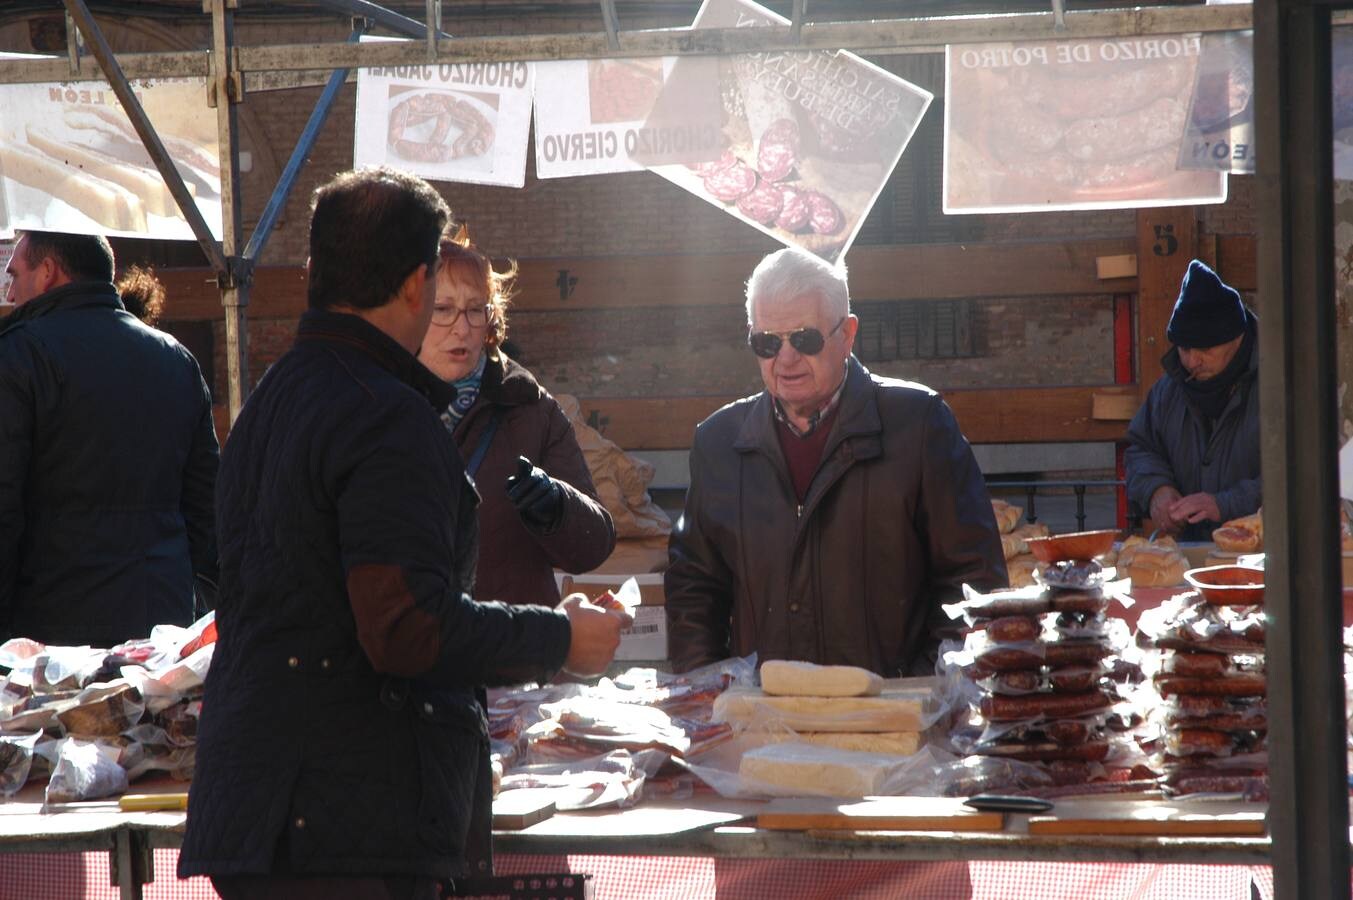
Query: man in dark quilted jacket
(343, 749)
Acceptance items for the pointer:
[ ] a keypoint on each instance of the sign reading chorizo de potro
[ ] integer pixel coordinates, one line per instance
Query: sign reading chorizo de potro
(1074, 124)
(463, 122)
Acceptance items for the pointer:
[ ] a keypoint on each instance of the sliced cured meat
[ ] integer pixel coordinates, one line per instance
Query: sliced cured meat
(762, 203)
(731, 183)
(824, 215)
(795, 213)
(778, 150)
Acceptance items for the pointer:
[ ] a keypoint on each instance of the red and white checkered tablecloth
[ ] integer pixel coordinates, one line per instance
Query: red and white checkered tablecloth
(73, 876)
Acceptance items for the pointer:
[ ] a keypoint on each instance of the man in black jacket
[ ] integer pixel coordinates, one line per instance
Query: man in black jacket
(108, 456)
(343, 748)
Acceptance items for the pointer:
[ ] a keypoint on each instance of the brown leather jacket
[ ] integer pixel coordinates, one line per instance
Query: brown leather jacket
(517, 563)
(896, 520)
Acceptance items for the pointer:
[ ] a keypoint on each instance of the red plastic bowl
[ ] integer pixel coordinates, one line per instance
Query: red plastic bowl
(1077, 545)
(1228, 585)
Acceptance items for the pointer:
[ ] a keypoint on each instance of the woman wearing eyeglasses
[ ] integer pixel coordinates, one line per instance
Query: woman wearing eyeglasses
(538, 509)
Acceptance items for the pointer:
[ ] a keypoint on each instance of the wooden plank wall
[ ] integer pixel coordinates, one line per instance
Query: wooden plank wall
(1012, 271)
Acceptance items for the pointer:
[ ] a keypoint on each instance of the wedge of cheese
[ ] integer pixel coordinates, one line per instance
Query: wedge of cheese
(807, 771)
(892, 743)
(893, 710)
(790, 678)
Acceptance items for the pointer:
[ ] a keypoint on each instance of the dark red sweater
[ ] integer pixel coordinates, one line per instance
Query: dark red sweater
(803, 454)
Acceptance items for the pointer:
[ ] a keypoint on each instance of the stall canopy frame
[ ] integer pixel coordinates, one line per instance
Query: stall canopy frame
(1308, 812)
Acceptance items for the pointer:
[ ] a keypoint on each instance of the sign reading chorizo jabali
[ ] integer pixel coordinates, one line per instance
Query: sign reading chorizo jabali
(464, 122)
(807, 139)
(71, 161)
(1092, 124)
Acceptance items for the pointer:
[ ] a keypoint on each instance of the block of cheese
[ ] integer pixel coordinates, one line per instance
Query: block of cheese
(791, 678)
(803, 770)
(895, 709)
(892, 743)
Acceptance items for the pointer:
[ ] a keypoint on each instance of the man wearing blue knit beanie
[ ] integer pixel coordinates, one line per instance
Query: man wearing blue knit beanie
(1193, 447)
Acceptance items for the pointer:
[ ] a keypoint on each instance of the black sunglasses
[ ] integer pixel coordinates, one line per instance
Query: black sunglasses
(808, 341)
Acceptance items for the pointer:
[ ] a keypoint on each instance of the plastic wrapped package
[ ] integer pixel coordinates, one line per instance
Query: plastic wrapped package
(776, 762)
(610, 779)
(86, 770)
(149, 748)
(790, 678)
(16, 760)
(904, 704)
(103, 711)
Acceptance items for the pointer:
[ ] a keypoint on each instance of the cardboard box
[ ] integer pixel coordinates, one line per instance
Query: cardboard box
(646, 639)
(592, 584)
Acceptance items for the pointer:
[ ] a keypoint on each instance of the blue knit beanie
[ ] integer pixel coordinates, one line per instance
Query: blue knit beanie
(1207, 313)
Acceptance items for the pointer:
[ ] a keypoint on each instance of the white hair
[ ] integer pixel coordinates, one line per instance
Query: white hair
(785, 274)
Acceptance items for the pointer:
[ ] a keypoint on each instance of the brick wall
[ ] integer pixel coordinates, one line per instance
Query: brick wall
(670, 352)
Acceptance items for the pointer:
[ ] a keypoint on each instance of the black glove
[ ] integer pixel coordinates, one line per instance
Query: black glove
(539, 501)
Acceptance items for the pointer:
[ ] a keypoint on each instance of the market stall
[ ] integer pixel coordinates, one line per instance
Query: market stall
(1303, 568)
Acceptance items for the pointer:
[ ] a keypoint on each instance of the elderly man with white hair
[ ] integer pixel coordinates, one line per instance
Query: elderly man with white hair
(832, 514)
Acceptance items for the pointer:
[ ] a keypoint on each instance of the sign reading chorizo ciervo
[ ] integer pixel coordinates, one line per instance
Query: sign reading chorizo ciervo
(71, 161)
(463, 122)
(591, 117)
(1081, 124)
(807, 138)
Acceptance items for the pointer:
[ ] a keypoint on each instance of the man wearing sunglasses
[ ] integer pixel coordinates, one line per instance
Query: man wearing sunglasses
(831, 515)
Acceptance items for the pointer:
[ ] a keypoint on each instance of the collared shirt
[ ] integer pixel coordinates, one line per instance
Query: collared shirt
(816, 418)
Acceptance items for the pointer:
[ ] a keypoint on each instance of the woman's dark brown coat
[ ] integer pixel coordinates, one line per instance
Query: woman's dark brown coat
(516, 561)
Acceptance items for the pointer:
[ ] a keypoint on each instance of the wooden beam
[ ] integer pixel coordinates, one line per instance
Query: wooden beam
(1166, 241)
(987, 416)
(913, 272)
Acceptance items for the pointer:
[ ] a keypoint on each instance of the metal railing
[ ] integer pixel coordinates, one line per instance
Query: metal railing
(1078, 486)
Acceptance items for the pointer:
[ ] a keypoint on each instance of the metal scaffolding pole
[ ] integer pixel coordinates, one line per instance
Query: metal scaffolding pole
(226, 86)
(1308, 809)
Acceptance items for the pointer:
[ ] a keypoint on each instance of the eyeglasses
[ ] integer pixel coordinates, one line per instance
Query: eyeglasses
(476, 316)
(808, 341)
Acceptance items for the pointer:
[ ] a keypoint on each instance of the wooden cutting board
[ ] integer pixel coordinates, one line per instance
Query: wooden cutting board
(521, 808)
(1160, 818)
(878, 814)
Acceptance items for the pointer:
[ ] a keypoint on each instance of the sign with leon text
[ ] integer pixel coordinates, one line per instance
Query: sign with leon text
(463, 122)
(71, 161)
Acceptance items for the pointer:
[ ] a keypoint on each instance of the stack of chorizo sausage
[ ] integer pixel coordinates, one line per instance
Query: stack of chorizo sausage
(1040, 659)
(1212, 721)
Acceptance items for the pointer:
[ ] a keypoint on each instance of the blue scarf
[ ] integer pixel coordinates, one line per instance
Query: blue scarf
(467, 392)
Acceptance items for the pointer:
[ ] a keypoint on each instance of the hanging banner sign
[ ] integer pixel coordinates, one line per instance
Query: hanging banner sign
(1083, 124)
(808, 138)
(1221, 130)
(464, 122)
(591, 114)
(71, 161)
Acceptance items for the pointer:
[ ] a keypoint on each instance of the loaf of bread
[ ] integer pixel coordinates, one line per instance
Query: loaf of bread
(1020, 570)
(1243, 535)
(1152, 564)
(1007, 516)
(791, 678)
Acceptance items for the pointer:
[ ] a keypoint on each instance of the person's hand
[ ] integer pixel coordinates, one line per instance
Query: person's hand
(539, 501)
(1197, 507)
(1162, 502)
(596, 634)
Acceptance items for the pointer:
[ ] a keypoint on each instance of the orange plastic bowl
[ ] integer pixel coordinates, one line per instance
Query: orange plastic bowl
(1228, 585)
(1077, 545)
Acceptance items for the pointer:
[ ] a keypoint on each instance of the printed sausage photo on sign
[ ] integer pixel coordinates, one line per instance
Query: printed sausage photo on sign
(807, 138)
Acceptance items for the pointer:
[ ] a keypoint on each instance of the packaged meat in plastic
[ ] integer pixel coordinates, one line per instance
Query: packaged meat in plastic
(978, 607)
(988, 775)
(103, 710)
(16, 761)
(610, 779)
(148, 748)
(1046, 706)
(1077, 574)
(85, 770)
